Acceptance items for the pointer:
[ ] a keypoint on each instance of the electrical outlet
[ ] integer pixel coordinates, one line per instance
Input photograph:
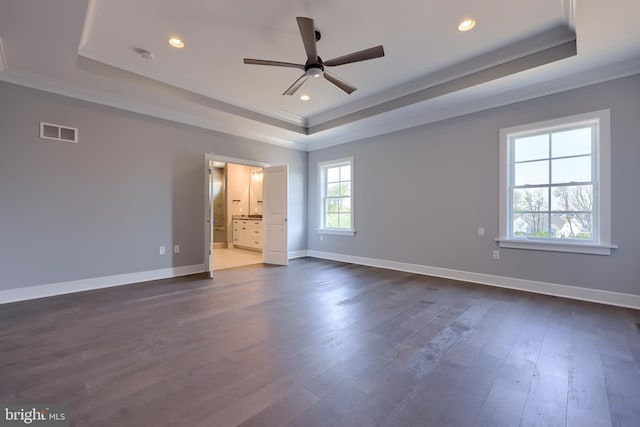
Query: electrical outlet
(480, 231)
(176, 249)
(321, 237)
(496, 254)
(162, 250)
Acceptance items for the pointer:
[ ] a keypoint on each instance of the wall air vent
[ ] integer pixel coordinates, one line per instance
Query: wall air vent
(58, 133)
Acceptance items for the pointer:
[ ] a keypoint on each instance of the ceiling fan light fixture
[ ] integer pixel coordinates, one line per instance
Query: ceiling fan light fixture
(314, 72)
(466, 25)
(176, 42)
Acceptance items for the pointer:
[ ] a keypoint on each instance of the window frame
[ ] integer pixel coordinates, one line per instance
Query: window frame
(322, 188)
(601, 178)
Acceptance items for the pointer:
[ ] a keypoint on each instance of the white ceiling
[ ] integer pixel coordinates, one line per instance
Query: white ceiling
(85, 49)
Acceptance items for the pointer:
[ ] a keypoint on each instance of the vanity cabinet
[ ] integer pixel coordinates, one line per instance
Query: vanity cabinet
(247, 233)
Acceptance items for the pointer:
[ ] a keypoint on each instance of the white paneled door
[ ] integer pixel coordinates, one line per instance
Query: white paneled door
(276, 189)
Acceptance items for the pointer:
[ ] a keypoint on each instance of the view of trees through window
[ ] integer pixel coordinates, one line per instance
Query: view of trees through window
(337, 200)
(553, 187)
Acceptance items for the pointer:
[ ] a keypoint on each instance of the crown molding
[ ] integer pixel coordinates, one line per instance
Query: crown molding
(569, 13)
(551, 45)
(404, 117)
(88, 23)
(276, 118)
(178, 111)
(457, 84)
(435, 110)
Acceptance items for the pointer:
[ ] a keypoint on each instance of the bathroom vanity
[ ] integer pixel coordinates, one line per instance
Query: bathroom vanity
(247, 233)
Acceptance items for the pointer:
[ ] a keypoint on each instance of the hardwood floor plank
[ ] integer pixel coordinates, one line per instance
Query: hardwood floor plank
(283, 411)
(588, 401)
(547, 398)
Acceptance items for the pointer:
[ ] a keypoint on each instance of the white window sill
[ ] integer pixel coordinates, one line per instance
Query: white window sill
(336, 232)
(540, 245)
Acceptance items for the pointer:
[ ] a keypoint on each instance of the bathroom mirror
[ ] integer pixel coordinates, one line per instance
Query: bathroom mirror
(255, 191)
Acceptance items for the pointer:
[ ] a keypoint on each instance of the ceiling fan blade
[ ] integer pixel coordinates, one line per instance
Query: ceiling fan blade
(296, 85)
(348, 88)
(274, 63)
(363, 55)
(308, 33)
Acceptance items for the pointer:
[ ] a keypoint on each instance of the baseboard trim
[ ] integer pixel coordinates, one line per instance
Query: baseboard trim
(60, 288)
(565, 291)
(297, 254)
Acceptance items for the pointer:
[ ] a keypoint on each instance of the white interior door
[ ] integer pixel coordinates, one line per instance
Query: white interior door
(208, 212)
(276, 190)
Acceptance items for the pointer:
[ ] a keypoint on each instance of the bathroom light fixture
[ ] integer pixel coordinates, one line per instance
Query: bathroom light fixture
(176, 42)
(466, 25)
(305, 97)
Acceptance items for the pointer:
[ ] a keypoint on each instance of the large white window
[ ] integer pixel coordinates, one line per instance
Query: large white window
(555, 190)
(336, 197)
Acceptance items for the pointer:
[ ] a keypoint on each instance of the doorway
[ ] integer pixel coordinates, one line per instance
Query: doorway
(238, 227)
(245, 213)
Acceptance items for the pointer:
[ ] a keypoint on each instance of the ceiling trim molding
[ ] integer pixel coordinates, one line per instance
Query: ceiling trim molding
(3, 58)
(288, 122)
(411, 116)
(211, 119)
(569, 13)
(533, 48)
(460, 83)
(88, 23)
(423, 113)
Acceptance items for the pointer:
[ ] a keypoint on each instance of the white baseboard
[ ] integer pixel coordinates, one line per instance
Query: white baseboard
(297, 254)
(566, 291)
(60, 288)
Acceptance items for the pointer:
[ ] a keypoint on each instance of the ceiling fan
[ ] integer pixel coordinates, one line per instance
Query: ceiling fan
(315, 67)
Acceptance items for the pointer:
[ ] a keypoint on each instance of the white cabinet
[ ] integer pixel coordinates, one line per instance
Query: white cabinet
(247, 233)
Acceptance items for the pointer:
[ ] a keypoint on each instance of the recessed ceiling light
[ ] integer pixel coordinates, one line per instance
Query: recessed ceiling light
(176, 42)
(305, 97)
(466, 25)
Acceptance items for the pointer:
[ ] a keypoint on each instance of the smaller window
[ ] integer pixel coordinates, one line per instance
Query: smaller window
(336, 197)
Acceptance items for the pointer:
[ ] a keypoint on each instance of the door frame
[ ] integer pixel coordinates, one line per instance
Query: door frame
(208, 202)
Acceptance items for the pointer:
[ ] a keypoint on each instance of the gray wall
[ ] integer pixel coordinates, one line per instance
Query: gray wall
(422, 193)
(103, 207)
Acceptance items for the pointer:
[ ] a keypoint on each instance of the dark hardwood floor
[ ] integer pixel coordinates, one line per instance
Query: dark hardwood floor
(321, 343)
